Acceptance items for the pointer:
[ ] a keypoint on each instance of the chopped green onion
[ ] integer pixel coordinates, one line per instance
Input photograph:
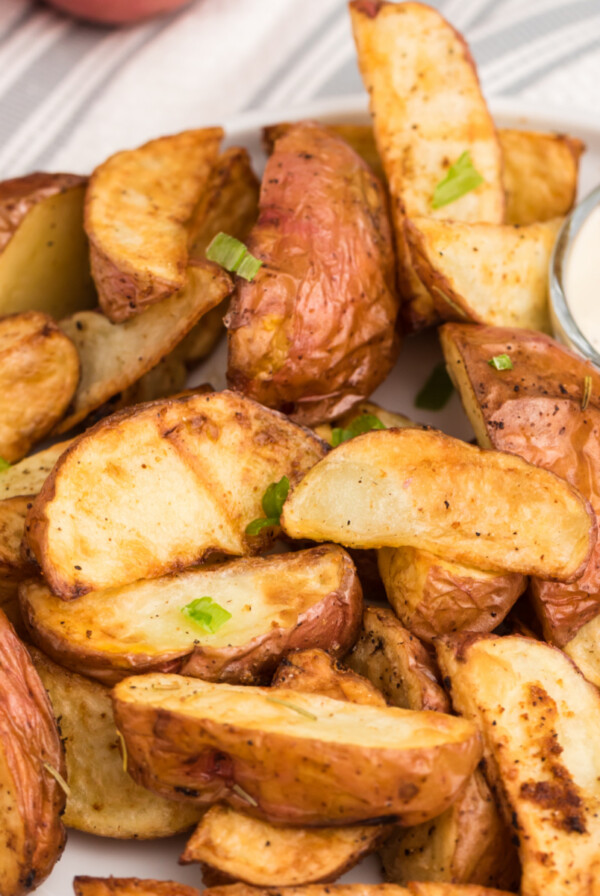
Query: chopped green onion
(461, 178)
(501, 362)
(587, 392)
(298, 709)
(58, 778)
(362, 423)
(206, 613)
(4, 465)
(436, 391)
(232, 255)
(272, 504)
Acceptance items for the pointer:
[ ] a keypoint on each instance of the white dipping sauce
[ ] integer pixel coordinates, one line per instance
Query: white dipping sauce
(581, 280)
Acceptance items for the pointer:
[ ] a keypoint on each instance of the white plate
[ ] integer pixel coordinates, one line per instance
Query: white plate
(99, 856)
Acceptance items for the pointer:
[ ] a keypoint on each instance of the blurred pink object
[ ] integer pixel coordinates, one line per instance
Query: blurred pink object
(116, 12)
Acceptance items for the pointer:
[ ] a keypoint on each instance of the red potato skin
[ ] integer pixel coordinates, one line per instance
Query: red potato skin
(20, 194)
(331, 624)
(117, 12)
(535, 411)
(29, 737)
(315, 791)
(314, 332)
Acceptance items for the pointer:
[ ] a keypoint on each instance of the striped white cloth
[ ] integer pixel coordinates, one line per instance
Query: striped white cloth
(71, 93)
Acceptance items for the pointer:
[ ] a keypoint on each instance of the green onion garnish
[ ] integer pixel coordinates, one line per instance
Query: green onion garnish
(461, 178)
(4, 465)
(206, 613)
(436, 391)
(362, 423)
(501, 362)
(233, 256)
(298, 709)
(587, 392)
(272, 505)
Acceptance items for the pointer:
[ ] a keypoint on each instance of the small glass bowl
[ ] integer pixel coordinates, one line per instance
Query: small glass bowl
(564, 327)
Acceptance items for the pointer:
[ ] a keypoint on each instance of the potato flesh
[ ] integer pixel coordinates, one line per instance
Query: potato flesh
(394, 488)
(316, 672)
(433, 596)
(138, 205)
(484, 272)
(103, 799)
(39, 370)
(129, 886)
(535, 411)
(28, 475)
(44, 253)
(195, 468)
(314, 332)
(540, 720)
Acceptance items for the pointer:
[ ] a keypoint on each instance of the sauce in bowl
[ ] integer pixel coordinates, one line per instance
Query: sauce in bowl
(581, 278)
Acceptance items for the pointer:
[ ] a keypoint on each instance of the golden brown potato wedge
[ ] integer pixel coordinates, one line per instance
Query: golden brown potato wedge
(436, 888)
(397, 663)
(314, 332)
(539, 719)
(44, 253)
(130, 886)
(584, 650)
(39, 371)
(32, 770)
(487, 273)
(414, 889)
(427, 110)
(181, 478)
(469, 842)
(535, 411)
(540, 174)
(232, 847)
(115, 356)
(137, 214)
(397, 487)
(433, 596)
(307, 599)
(28, 475)
(351, 763)
(14, 567)
(314, 671)
(102, 799)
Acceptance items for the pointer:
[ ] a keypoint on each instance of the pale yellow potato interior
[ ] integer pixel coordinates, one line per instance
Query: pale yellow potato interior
(146, 617)
(28, 476)
(45, 266)
(262, 709)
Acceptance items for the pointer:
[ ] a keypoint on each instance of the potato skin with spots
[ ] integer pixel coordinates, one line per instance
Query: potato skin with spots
(535, 411)
(314, 332)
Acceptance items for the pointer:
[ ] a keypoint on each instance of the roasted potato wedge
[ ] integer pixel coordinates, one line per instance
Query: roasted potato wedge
(180, 478)
(397, 663)
(350, 763)
(32, 770)
(102, 799)
(308, 599)
(39, 371)
(28, 475)
(13, 566)
(433, 596)
(535, 411)
(584, 650)
(427, 110)
(539, 719)
(314, 671)
(540, 174)
(232, 846)
(487, 273)
(130, 886)
(138, 211)
(436, 888)
(414, 889)
(397, 487)
(44, 253)
(314, 332)
(168, 378)
(469, 842)
(115, 356)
